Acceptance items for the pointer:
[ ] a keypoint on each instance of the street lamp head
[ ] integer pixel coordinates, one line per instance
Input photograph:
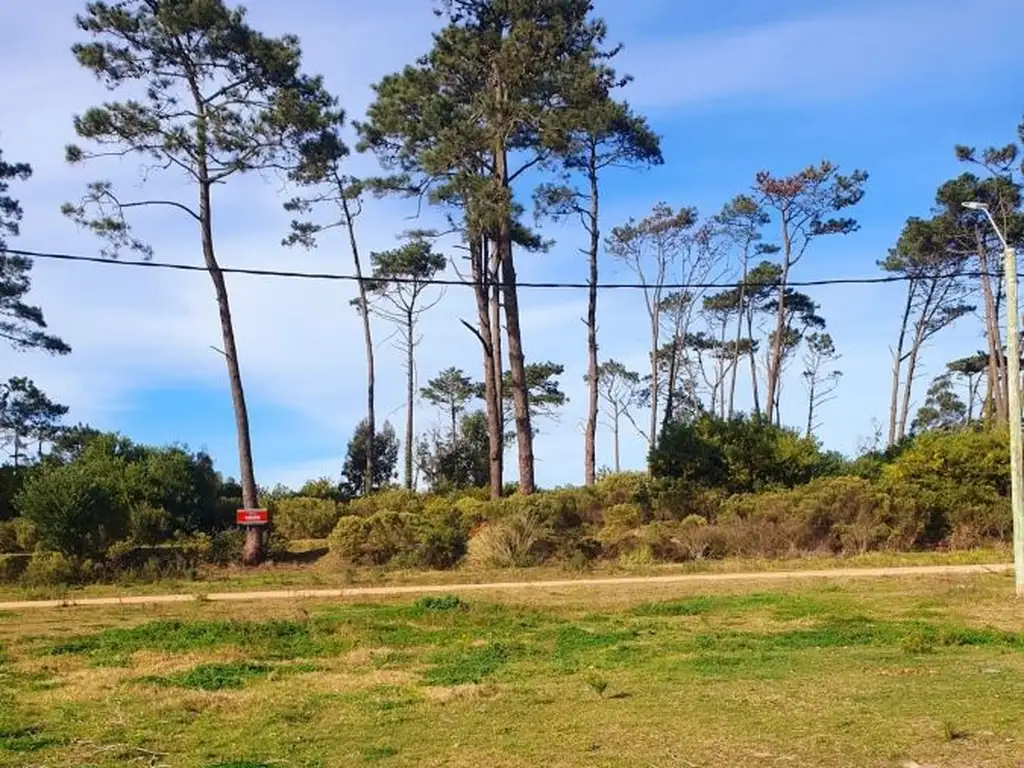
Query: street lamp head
(975, 206)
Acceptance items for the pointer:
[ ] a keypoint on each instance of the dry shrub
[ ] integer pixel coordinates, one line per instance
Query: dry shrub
(507, 543)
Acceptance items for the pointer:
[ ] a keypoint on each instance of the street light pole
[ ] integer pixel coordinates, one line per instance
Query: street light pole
(1013, 377)
(1013, 392)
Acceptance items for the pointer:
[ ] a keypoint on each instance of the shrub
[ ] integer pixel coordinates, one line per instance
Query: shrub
(678, 543)
(226, 546)
(51, 569)
(507, 543)
(27, 534)
(305, 518)
(473, 511)
(441, 547)
(740, 455)
(73, 511)
(12, 567)
(375, 540)
(443, 534)
(8, 537)
(957, 479)
(390, 500)
(321, 488)
(620, 488)
(148, 524)
(621, 518)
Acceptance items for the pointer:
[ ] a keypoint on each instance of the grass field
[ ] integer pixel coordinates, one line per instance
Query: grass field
(894, 672)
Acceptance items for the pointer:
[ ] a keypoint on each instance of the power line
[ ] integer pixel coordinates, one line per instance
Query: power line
(150, 264)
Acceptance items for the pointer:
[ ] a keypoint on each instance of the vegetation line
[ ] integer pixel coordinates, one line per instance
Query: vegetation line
(300, 594)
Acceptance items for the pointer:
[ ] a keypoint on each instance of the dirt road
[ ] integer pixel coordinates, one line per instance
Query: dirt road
(506, 586)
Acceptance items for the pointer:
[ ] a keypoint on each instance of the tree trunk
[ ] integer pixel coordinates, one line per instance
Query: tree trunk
(753, 363)
(672, 378)
(409, 396)
(652, 438)
(516, 357)
(915, 349)
(253, 550)
(498, 359)
(590, 440)
(364, 311)
(810, 406)
(995, 346)
(455, 425)
(779, 340)
(897, 363)
(741, 311)
(972, 394)
(615, 436)
(492, 401)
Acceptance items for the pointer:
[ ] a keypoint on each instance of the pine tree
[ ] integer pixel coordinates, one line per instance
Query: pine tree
(212, 98)
(21, 324)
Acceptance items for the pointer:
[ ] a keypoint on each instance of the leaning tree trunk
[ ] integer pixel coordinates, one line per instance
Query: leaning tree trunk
(753, 364)
(364, 310)
(810, 405)
(253, 550)
(615, 436)
(778, 340)
(590, 447)
(897, 364)
(912, 357)
(652, 438)
(410, 371)
(486, 334)
(741, 311)
(516, 357)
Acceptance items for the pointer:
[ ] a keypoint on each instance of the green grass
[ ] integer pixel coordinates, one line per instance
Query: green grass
(865, 673)
(222, 677)
(279, 639)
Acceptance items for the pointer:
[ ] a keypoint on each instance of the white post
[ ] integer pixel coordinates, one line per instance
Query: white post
(1013, 389)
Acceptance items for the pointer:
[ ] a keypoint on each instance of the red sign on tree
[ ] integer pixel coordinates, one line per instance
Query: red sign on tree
(252, 517)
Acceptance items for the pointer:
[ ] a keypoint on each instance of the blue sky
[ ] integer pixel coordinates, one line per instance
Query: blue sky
(733, 88)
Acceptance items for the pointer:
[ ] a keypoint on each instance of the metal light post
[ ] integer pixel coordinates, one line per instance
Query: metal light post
(1013, 391)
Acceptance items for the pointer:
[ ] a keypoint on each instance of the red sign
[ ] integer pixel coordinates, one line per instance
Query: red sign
(252, 517)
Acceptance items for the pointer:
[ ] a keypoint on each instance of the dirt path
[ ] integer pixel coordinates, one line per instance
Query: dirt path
(504, 586)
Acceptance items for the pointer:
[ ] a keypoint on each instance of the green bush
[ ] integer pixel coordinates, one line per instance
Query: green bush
(391, 500)
(12, 567)
(443, 534)
(739, 455)
(226, 547)
(74, 512)
(472, 511)
(321, 488)
(620, 488)
(148, 524)
(52, 569)
(375, 540)
(305, 517)
(8, 537)
(959, 480)
(27, 534)
(621, 518)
